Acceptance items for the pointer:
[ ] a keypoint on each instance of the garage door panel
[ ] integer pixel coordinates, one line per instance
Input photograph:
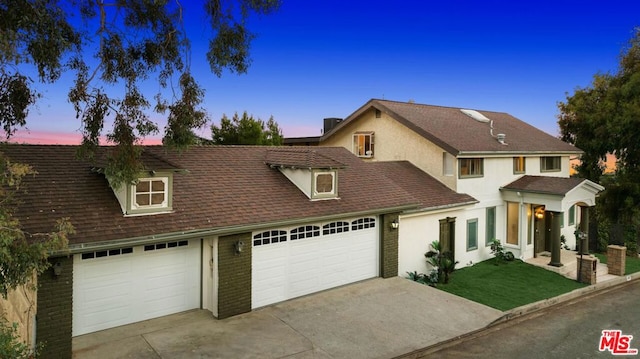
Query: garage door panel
(131, 287)
(313, 264)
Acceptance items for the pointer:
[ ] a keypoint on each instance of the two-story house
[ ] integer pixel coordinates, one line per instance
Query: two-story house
(519, 175)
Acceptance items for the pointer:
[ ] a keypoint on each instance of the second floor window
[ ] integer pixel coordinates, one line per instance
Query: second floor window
(150, 193)
(519, 165)
(471, 167)
(363, 144)
(550, 164)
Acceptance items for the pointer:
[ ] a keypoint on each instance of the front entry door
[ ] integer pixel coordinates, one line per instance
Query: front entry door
(540, 232)
(448, 236)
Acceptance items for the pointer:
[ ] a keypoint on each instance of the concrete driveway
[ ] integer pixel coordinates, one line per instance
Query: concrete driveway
(377, 318)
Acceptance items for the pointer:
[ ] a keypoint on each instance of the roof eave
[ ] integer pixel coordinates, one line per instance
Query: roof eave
(511, 153)
(220, 231)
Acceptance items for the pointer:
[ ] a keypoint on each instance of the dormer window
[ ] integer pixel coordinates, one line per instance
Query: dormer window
(147, 195)
(150, 193)
(363, 144)
(324, 184)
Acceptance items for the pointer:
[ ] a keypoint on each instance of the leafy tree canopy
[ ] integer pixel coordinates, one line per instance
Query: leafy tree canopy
(602, 119)
(246, 130)
(605, 117)
(112, 47)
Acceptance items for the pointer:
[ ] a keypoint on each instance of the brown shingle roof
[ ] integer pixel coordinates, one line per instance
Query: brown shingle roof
(430, 192)
(458, 133)
(225, 187)
(543, 184)
(288, 157)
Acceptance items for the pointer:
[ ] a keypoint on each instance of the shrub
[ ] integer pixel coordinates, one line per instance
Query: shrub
(10, 344)
(499, 253)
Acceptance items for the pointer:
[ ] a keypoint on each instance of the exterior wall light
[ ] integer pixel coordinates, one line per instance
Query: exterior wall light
(238, 247)
(540, 213)
(57, 269)
(395, 224)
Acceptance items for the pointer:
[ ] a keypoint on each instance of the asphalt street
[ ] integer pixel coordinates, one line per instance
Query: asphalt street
(570, 330)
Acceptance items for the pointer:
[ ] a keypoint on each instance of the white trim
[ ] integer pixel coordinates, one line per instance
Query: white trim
(165, 202)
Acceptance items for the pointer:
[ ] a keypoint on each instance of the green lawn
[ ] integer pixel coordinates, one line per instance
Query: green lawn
(632, 265)
(508, 285)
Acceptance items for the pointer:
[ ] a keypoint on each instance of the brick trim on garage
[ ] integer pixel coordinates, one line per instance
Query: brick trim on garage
(234, 276)
(55, 304)
(389, 246)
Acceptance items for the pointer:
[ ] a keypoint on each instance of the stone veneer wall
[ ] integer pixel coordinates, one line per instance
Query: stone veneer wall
(587, 274)
(234, 276)
(55, 306)
(616, 259)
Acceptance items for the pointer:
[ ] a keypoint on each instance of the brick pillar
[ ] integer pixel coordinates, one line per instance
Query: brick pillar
(389, 247)
(586, 267)
(616, 259)
(55, 305)
(234, 276)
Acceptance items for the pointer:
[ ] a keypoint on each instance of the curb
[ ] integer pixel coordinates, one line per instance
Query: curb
(525, 310)
(577, 293)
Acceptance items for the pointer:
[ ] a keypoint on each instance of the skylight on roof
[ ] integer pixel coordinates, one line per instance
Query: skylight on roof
(475, 115)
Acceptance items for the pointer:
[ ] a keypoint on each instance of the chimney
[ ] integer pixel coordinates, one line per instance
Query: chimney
(330, 123)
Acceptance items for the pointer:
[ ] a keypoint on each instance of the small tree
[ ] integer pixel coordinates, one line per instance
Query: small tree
(22, 254)
(441, 261)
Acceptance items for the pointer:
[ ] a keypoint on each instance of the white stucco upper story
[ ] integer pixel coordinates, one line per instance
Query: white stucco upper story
(392, 140)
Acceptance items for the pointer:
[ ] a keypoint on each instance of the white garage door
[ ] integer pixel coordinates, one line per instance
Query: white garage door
(127, 285)
(292, 262)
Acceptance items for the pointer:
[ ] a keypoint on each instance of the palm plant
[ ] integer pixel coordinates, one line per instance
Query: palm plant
(441, 260)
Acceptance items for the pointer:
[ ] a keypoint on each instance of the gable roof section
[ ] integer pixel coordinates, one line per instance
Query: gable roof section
(226, 188)
(549, 185)
(291, 158)
(556, 193)
(431, 193)
(459, 134)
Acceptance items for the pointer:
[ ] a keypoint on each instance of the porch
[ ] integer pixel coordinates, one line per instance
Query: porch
(569, 268)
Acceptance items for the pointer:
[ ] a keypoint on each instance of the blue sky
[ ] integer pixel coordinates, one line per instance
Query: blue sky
(313, 60)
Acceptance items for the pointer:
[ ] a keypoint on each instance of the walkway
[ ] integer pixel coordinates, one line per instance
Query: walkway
(569, 259)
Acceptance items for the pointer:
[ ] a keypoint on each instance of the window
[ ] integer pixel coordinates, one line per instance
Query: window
(447, 164)
(472, 234)
(550, 164)
(305, 232)
(335, 227)
(324, 184)
(572, 215)
(153, 247)
(268, 237)
(513, 223)
(561, 219)
(150, 193)
(471, 167)
(519, 165)
(491, 225)
(110, 253)
(378, 113)
(363, 144)
(363, 223)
